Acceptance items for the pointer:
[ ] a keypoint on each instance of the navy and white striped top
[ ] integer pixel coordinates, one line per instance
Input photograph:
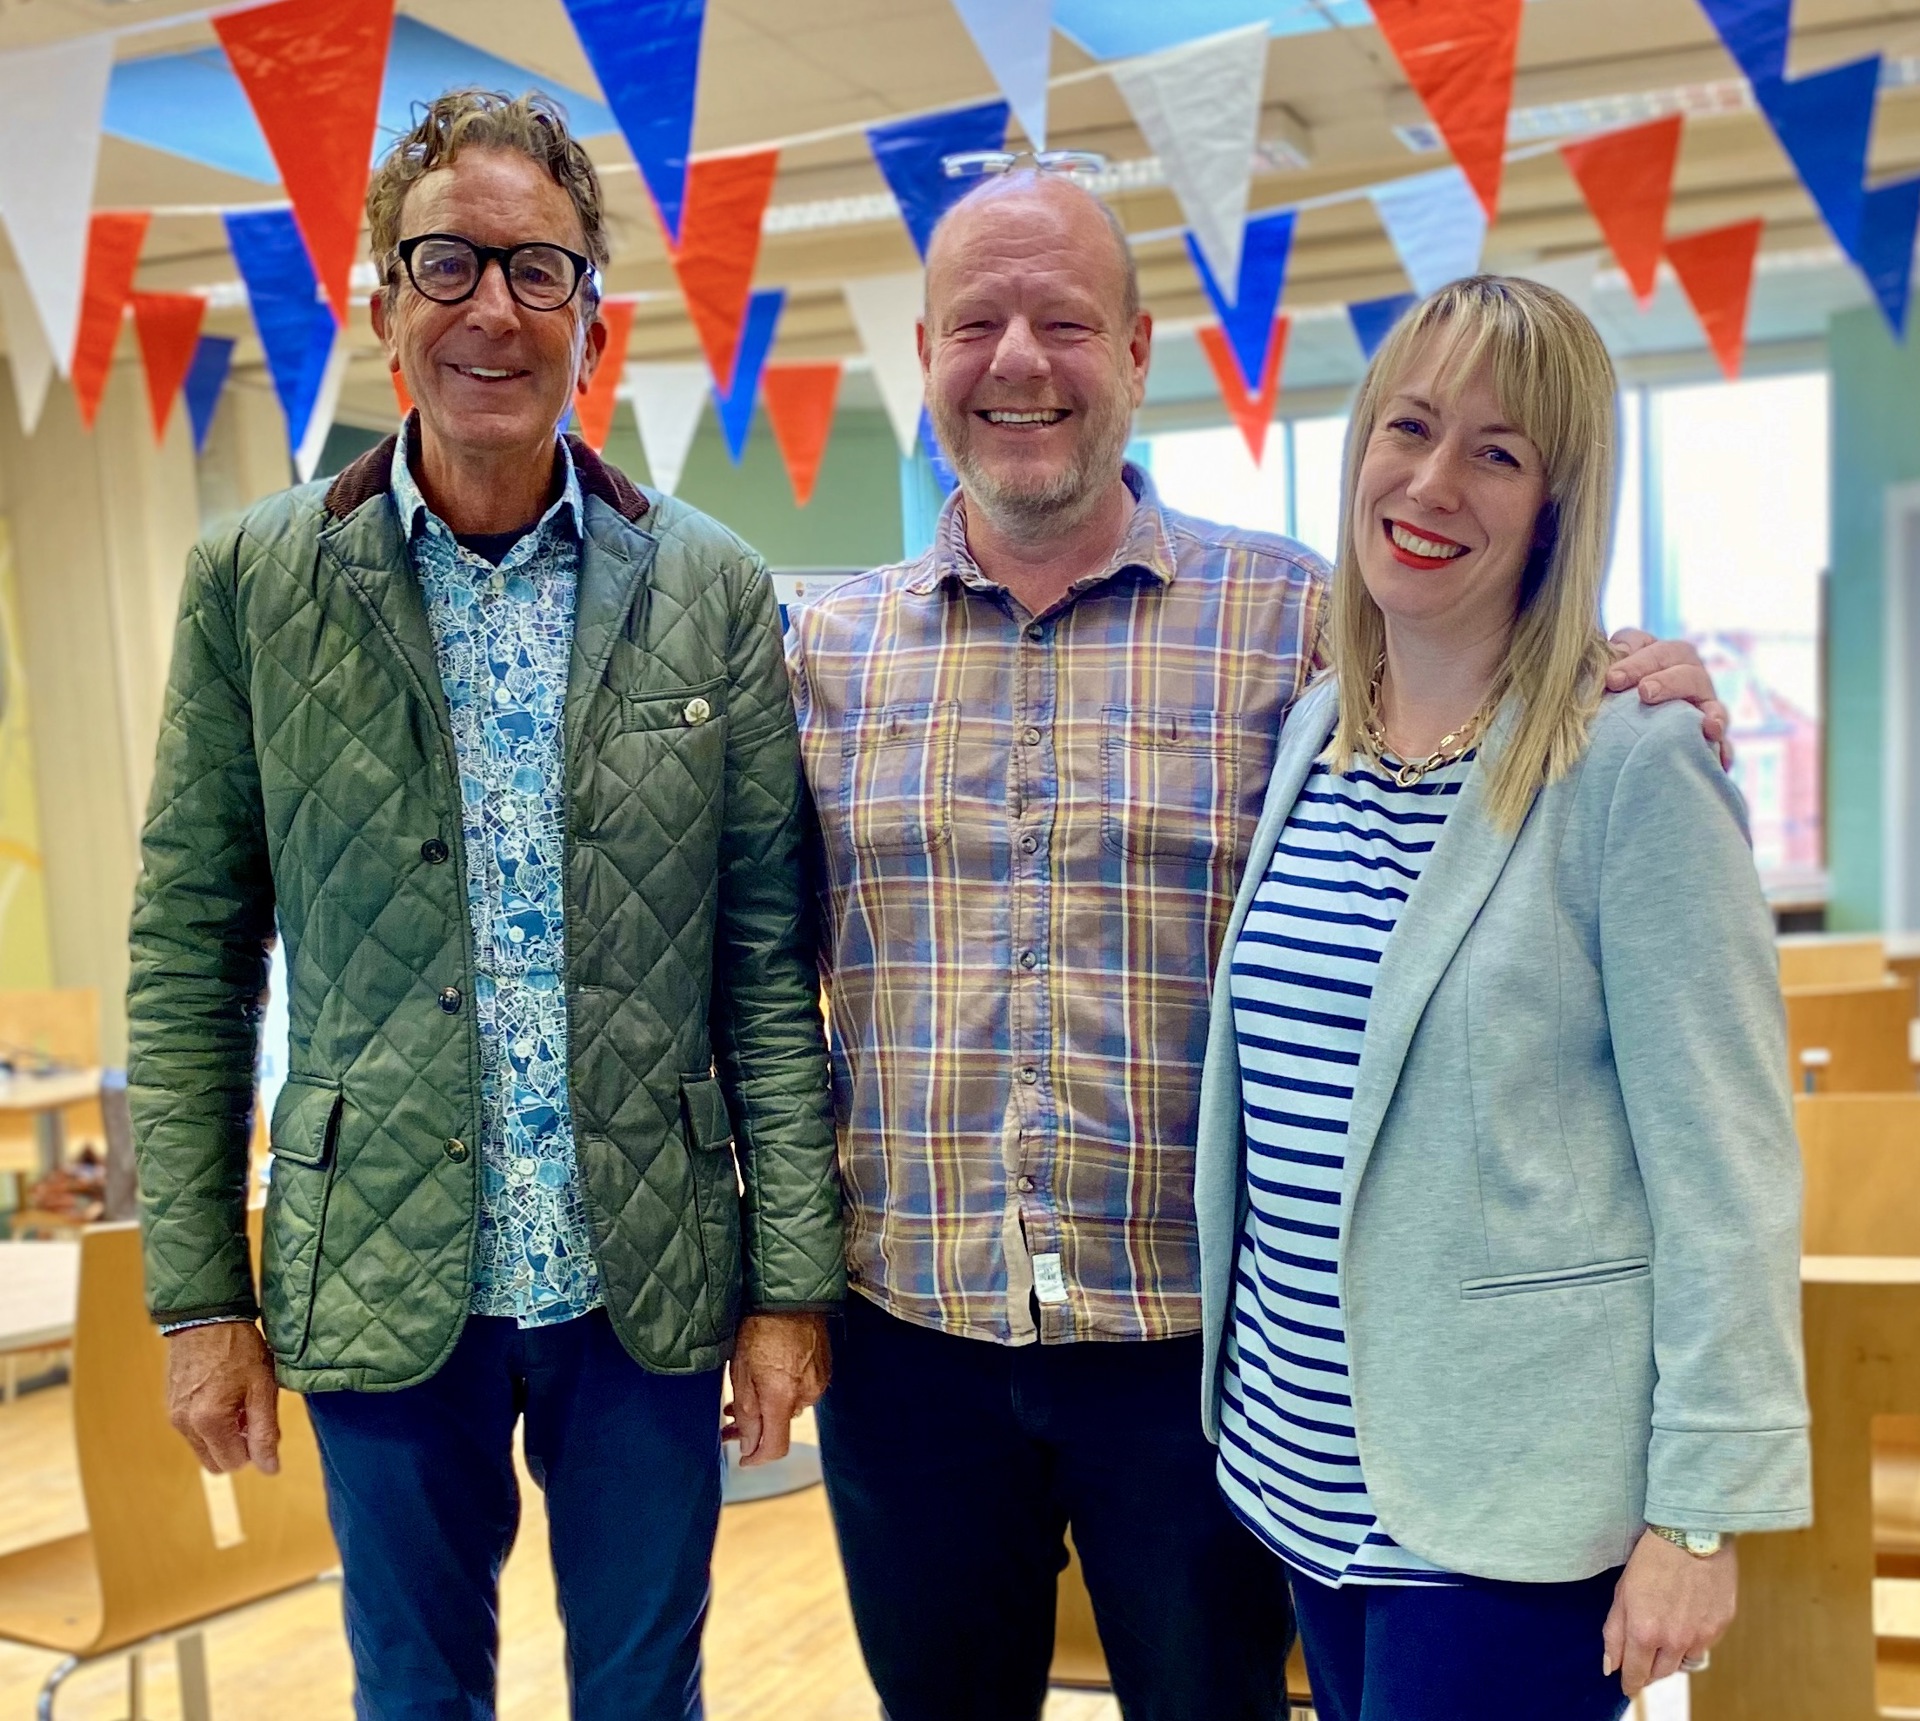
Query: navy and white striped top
(1302, 976)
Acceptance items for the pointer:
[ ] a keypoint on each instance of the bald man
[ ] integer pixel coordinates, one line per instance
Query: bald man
(1038, 754)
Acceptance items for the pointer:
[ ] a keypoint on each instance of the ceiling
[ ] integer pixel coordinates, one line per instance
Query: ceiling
(776, 70)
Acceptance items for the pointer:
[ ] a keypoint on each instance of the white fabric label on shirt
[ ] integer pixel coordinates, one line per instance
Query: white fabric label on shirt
(1048, 1286)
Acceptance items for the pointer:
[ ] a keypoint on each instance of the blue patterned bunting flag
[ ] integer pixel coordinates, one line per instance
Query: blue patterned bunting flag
(909, 153)
(206, 376)
(1373, 319)
(1823, 123)
(296, 328)
(756, 341)
(1248, 319)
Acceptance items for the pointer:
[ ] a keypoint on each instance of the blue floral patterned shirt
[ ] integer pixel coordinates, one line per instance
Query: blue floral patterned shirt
(502, 637)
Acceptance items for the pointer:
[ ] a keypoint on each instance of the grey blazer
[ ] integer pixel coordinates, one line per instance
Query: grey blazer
(1572, 1191)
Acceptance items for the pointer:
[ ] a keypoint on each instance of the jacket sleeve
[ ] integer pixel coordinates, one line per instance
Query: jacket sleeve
(203, 912)
(769, 1046)
(1699, 1040)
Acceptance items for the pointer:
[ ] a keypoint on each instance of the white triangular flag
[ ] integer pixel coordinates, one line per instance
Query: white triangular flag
(667, 403)
(28, 356)
(1437, 225)
(1573, 276)
(886, 311)
(1198, 107)
(1015, 38)
(306, 458)
(51, 103)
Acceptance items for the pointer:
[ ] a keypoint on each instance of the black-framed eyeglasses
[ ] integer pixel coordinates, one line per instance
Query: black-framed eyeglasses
(980, 163)
(446, 268)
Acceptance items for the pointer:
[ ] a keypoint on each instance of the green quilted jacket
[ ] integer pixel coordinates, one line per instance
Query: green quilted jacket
(306, 773)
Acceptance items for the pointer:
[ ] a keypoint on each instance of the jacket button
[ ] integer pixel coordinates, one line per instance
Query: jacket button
(450, 1000)
(697, 712)
(433, 851)
(456, 1150)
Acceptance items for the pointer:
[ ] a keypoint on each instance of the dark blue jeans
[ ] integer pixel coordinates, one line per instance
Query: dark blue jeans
(954, 1468)
(424, 1503)
(1399, 1652)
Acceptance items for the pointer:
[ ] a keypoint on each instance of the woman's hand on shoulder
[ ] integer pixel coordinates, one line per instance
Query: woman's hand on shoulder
(1669, 1606)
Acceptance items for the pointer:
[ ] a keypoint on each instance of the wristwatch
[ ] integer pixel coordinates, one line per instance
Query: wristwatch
(1702, 1544)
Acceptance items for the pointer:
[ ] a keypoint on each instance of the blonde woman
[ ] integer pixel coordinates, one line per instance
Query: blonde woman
(1497, 1183)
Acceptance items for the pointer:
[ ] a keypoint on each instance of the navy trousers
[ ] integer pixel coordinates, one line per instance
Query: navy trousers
(1402, 1652)
(954, 1468)
(424, 1504)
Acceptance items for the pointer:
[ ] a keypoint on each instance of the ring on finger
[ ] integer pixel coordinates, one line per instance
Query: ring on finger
(1696, 1663)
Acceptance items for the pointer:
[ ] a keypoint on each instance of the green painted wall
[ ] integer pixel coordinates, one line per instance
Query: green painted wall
(852, 521)
(1876, 442)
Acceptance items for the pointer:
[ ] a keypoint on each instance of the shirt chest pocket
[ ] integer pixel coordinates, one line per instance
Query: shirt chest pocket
(896, 780)
(1170, 782)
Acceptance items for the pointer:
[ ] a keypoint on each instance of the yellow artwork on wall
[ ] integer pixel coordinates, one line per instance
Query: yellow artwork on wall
(26, 958)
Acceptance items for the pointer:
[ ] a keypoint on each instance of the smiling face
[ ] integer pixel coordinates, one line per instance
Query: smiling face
(1448, 503)
(488, 375)
(1033, 364)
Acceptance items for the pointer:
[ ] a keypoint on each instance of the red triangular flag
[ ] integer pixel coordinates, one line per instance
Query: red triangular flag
(1716, 272)
(719, 245)
(1458, 55)
(799, 401)
(312, 70)
(1252, 412)
(595, 404)
(400, 394)
(1627, 180)
(168, 325)
(114, 238)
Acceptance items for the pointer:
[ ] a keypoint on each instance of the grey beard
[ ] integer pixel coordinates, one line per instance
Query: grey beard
(1054, 505)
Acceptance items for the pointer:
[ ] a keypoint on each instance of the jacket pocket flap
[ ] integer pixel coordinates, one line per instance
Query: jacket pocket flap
(306, 1119)
(676, 708)
(1558, 1278)
(704, 1109)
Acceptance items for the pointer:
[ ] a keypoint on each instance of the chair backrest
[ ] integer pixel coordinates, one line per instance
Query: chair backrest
(1816, 959)
(1861, 1157)
(1863, 1028)
(61, 1025)
(159, 1559)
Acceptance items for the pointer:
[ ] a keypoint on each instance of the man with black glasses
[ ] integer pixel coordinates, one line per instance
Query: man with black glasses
(504, 747)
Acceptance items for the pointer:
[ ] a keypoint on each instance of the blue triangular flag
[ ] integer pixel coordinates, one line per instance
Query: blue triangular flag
(1373, 319)
(1248, 318)
(943, 472)
(206, 376)
(756, 341)
(909, 153)
(1754, 32)
(646, 54)
(296, 327)
(1888, 221)
(1822, 123)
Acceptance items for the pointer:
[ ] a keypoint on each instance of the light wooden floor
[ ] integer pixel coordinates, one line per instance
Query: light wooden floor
(779, 1642)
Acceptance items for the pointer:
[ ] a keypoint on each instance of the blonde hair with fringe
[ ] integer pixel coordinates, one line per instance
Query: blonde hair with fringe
(1556, 384)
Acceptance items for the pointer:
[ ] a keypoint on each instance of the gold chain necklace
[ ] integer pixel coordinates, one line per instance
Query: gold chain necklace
(1452, 746)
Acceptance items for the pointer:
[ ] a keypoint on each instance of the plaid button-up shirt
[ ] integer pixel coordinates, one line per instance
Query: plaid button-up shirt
(1032, 828)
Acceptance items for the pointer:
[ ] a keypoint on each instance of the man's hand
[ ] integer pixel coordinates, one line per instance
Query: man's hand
(1665, 669)
(779, 1369)
(1668, 1606)
(222, 1396)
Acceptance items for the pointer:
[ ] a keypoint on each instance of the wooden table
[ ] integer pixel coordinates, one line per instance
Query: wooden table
(45, 1098)
(39, 1293)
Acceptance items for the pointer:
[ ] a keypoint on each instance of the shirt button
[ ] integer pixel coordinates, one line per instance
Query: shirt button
(1031, 736)
(1028, 959)
(1036, 633)
(433, 851)
(450, 1000)
(456, 1150)
(1029, 1075)
(1026, 1185)
(1029, 844)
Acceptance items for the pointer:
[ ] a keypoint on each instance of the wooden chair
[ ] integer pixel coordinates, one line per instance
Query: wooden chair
(1864, 1030)
(1079, 1662)
(1803, 1645)
(1815, 959)
(163, 1552)
(1860, 1154)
